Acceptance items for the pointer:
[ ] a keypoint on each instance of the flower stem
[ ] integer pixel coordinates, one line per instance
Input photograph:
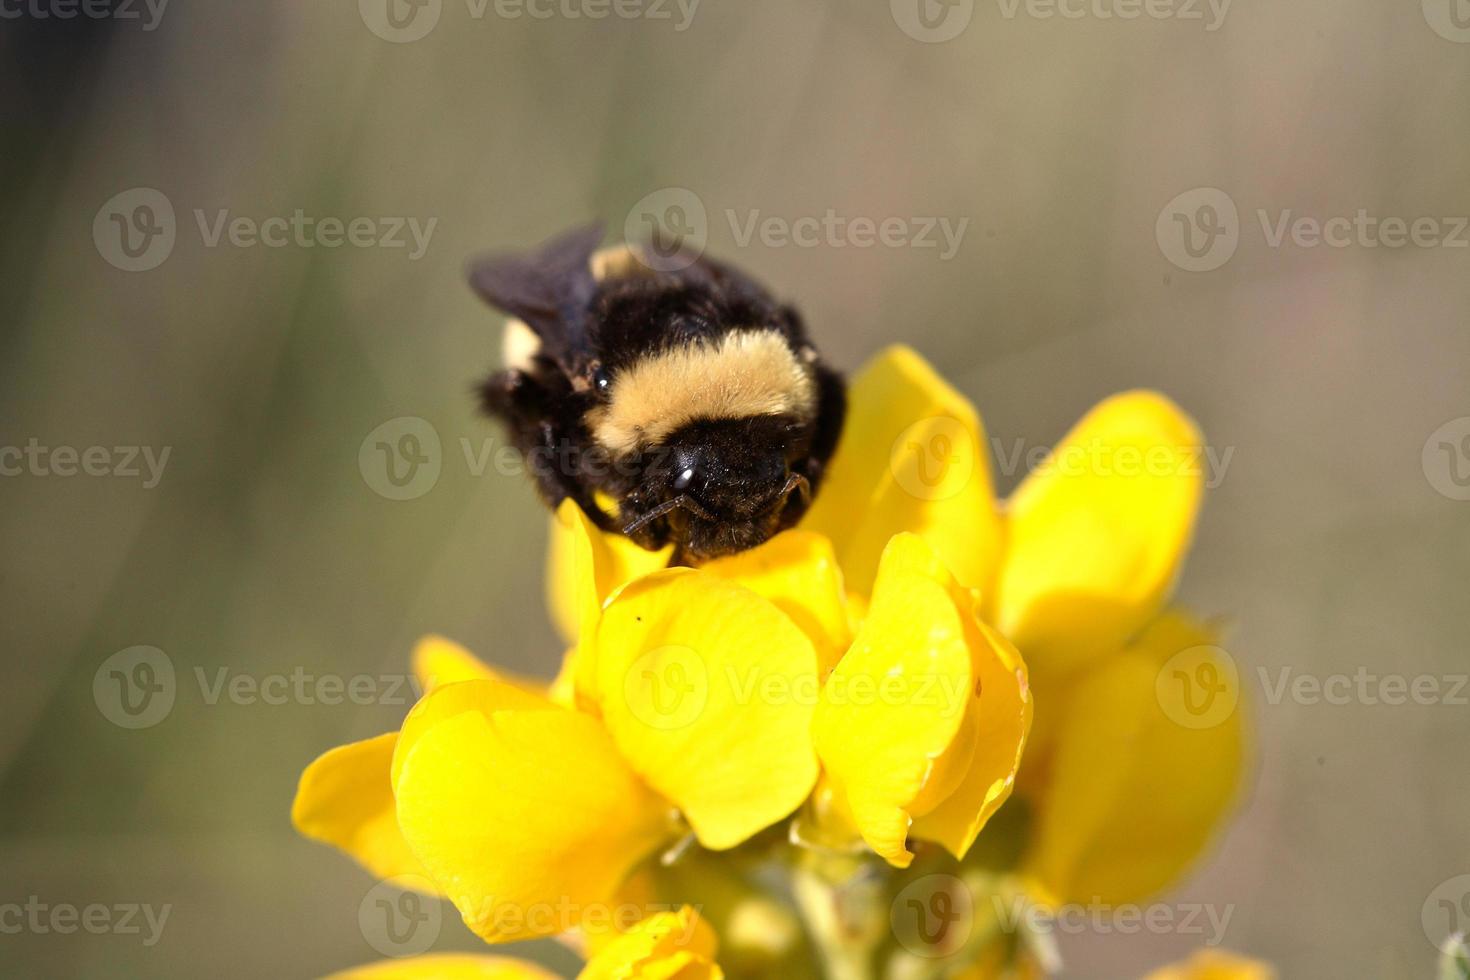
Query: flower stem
(841, 903)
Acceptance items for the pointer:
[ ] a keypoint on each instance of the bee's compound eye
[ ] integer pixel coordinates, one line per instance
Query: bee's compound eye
(686, 479)
(601, 379)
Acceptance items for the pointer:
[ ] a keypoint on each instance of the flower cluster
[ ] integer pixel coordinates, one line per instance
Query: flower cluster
(847, 703)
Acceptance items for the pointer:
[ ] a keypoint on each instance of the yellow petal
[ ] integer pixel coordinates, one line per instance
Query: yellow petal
(450, 700)
(640, 894)
(521, 809)
(1096, 536)
(345, 799)
(438, 661)
(708, 689)
(563, 687)
(1139, 779)
(903, 729)
(585, 565)
(913, 457)
(1000, 712)
(1215, 964)
(662, 947)
(448, 966)
(798, 572)
(826, 821)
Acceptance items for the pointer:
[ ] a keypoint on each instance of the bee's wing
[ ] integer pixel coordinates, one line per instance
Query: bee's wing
(550, 290)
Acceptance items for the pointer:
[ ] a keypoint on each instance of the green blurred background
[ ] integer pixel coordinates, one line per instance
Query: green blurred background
(1332, 541)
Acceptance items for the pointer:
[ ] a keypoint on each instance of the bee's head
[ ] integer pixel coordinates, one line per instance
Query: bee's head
(728, 483)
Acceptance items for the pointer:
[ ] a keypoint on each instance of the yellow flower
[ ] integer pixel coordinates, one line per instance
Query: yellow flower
(1076, 570)
(865, 664)
(1214, 965)
(1127, 786)
(664, 946)
(695, 694)
(1132, 789)
(448, 966)
(920, 726)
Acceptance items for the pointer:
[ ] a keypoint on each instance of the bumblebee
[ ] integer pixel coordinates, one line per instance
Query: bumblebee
(683, 407)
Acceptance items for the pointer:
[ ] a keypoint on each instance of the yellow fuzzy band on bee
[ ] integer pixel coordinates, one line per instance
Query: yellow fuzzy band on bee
(519, 346)
(744, 373)
(619, 262)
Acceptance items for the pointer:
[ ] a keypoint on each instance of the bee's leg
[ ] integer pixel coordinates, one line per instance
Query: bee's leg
(649, 529)
(545, 439)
